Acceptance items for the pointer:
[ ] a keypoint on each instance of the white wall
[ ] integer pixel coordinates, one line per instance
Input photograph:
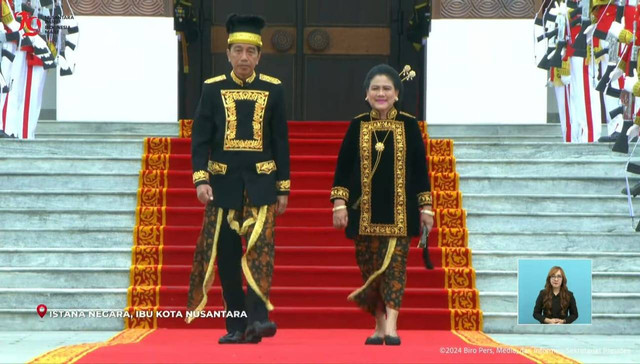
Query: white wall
(483, 71)
(126, 71)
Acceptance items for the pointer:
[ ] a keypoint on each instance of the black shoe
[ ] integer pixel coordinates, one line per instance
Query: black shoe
(391, 340)
(374, 340)
(232, 338)
(4, 135)
(261, 329)
(609, 138)
(255, 339)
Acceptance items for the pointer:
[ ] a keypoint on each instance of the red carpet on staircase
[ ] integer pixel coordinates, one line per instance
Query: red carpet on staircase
(315, 269)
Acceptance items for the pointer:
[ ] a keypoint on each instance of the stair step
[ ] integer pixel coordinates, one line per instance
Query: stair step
(71, 147)
(602, 282)
(543, 168)
(49, 219)
(112, 182)
(549, 186)
(602, 262)
(603, 204)
(53, 277)
(69, 164)
(62, 238)
(96, 200)
(487, 129)
(66, 257)
(120, 135)
(605, 324)
(68, 200)
(60, 298)
(608, 303)
(496, 138)
(513, 222)
(183, 256)
(100, 127)
(541, 241)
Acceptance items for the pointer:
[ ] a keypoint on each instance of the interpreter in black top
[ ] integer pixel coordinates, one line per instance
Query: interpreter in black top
(555, 303)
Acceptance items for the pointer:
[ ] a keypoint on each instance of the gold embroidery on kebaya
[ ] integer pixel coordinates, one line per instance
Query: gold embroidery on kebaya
(229, 98)
(399, 227)
(424, 198)
(217, 168)
(199, 176)
(339, 192)
(283, 185)
(265, 167)
(391, 115)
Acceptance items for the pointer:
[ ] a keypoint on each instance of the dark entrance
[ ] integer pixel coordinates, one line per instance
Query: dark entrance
(320, 49)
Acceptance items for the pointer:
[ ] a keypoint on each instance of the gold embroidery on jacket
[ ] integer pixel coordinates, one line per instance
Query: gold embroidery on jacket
(265, 167)
(199, 176)
(240, 82)
(399, 227)
(229, 98)
(217, 168)
(339, 192)
(269, 79)
(283, 185)
(216, 79)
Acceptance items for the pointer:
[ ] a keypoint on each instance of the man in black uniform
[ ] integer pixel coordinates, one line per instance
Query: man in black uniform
(240, 159)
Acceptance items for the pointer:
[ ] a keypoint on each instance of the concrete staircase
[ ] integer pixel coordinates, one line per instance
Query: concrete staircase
(67, 204)
(535, 197)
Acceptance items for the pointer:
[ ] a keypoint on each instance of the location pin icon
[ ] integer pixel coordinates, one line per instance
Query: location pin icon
(41, 310)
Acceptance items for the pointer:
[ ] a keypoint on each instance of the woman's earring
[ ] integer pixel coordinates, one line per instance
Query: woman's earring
(396, 99)
(366, 98)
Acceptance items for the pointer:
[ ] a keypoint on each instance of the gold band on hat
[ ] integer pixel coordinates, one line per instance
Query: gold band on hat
(245, 37)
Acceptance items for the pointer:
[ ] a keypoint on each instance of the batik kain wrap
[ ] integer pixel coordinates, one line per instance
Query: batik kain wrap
(383, 262)
(257, 262)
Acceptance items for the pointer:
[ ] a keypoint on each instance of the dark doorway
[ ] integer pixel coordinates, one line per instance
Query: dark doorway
(320, 50)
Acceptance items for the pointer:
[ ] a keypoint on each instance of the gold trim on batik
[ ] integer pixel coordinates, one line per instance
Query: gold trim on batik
(210, 274)
(391, 248)
(257, 230)
(266, 167)
(217, 167)
(284, 185)
(339, 192)
(399, 227)
(200, 176)
(229, 98)
(424, 198)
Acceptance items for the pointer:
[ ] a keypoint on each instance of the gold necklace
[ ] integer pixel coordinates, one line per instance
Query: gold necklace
(380, 145)
(379, 148)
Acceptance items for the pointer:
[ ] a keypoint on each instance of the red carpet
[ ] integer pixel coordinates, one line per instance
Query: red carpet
(315, 264)
(315, 270)
(301, 346)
